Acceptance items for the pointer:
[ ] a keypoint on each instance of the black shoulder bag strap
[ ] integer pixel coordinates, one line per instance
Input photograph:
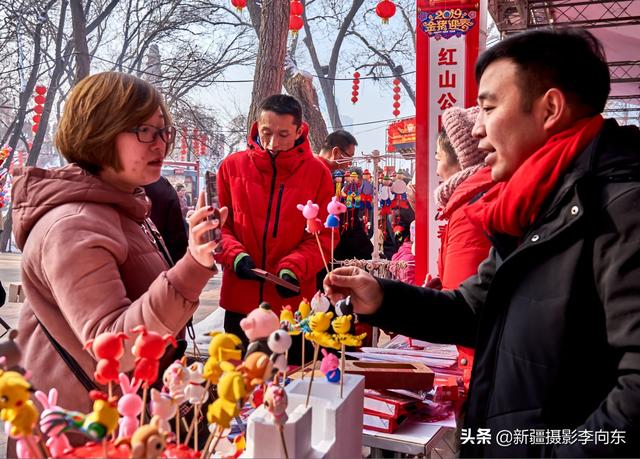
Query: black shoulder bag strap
(75, 368)
(159, 241)
(165, 253)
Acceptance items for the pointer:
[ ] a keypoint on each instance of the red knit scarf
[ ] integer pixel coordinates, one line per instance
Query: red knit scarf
(512, 207)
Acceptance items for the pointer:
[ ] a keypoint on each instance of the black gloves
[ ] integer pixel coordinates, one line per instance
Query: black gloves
(285, 292)
(243, 268)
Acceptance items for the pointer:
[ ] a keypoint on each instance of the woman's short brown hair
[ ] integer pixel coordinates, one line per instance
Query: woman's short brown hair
(100, 107)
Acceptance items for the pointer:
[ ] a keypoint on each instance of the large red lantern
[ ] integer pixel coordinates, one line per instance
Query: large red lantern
(41, 90)
(296, 8)
(295, 23)
(239, 4)
(386, 9)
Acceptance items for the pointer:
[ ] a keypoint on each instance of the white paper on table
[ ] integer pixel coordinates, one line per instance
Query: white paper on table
(374, 357)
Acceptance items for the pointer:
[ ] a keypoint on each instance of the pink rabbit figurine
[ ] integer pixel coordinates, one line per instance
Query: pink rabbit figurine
(310, 212)
(57, 442)
(165, 407)
(129, 407)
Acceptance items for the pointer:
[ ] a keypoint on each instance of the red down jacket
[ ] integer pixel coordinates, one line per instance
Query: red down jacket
(463, 245)
(261, 193)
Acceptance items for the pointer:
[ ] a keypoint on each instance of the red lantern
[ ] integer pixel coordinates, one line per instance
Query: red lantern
(41, 90)
(36, 119)
(296, 8)
(38, 109)
(355, 87)
(295, 23)
(239, 4)
(396, 97)
(39, 99)
(386, 9)
(34, 128)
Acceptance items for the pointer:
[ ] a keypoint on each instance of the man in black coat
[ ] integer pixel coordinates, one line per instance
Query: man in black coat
(554, 311)
(167, 216)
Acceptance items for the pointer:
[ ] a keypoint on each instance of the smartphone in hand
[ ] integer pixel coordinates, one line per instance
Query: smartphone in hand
(211, 199)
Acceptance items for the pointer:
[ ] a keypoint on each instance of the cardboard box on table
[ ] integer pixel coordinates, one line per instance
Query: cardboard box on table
(330, 427)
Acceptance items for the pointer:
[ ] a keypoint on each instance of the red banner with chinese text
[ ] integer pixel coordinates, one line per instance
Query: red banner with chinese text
(447, 47)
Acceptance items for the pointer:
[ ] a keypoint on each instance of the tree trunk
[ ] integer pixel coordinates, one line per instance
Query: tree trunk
(79, 22)
(300, 86)
(58, 69)
(269, 72)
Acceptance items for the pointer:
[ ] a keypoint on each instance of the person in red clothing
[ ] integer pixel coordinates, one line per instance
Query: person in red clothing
(466, 178)
(261, 187)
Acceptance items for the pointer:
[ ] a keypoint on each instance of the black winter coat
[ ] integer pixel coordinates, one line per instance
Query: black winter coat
(554, 317)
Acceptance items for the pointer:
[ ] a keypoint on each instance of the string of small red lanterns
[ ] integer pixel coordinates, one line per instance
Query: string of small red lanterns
(295, 16)
(396, 97)
(39, 99)
(356, 86)
(385, 10)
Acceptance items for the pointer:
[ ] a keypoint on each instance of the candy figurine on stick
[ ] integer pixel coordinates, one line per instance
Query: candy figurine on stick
(164, 407)
(275, 402)
(342, 327)
(335, 208)
(231, 391)
(129, 406)
(18, 410)
(314, 224)
(148, 348)
(258, 325)
(222, 347)
(319, 323)
(57, 442)
(108, 348)
(330, 366)
(279, 343)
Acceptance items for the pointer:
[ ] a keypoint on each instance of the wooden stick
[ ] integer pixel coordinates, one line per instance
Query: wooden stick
(213, 448)
(322, 253)
(316, 348)
(30, 446)
(178, 425)
(205, 450)
(284, 376)
(105, 448)
(332, 230)
(145, 393)
(195, 435)
(196, 411)
(341, 368)
(284, 443)
(110, 389)
(302, 334)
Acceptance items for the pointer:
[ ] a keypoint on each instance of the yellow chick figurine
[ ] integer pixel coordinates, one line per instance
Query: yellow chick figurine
(103, 420)
(319, 324)
(304, 309)
(16, 407)
(342, 325)
(223, 347)
(288, 321)
(231, 390)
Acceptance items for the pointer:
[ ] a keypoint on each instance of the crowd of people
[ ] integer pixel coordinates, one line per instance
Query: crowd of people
(538, 267)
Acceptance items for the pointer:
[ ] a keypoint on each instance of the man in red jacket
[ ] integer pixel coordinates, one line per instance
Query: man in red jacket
(261, 187)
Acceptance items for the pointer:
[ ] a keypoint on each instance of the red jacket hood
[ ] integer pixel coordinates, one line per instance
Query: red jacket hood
(36, 191)
(288, 161)
(467, 190)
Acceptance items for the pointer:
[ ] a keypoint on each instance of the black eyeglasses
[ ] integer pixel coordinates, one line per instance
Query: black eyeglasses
(149, 134)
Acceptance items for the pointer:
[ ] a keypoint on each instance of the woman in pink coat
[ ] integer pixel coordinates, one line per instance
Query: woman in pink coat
(91, 263)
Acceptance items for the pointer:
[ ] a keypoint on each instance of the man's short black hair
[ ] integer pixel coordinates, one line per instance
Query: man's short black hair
(282, 104)
(571, 60)
(341, 139)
